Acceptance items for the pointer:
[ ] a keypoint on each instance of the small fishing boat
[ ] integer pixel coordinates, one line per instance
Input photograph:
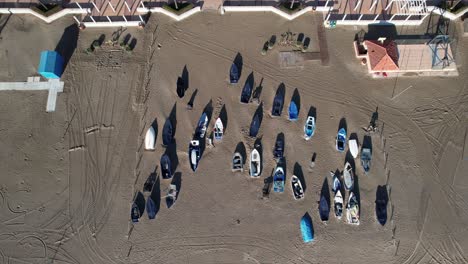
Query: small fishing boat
(237, 162)
(366, 156)
(254, 126)
(167, 133)
(381, 203)
(218, 130)
(246, 92)
(348, 176)
(341, 140)
(297, 190)
(352, 210)
(309, 127)
(166, 171)
(278, 151)
(150, 138)
(278, 179)
(255, 162)
(293, 111)
(338, 204)
(135, 213)
(353, 148)
(234, 74)
(201, 126)
(151, 208)
(194, 154)
(307, 229)
(324, 208)
(171, 196)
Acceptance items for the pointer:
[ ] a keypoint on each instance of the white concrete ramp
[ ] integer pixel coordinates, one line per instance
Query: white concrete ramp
(54, 86)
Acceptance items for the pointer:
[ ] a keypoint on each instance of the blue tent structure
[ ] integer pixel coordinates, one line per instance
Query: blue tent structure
(50, 65)
(307, 229)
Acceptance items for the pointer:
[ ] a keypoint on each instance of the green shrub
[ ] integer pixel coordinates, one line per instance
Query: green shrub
(182, 8)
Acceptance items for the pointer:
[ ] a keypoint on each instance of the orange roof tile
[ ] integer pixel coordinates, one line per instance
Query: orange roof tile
(382, 56)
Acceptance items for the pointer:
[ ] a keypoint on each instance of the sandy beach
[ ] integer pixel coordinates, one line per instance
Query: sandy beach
(69, 177)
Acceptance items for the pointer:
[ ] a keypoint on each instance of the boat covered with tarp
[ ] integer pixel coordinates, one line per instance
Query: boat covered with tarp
(234, 74)
(293, 111)
(307, 229)
(151, 208)
(246, 92)
(167, 133)
(255, 125)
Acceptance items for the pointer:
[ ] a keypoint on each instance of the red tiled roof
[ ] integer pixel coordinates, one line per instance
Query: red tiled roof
(382, 56)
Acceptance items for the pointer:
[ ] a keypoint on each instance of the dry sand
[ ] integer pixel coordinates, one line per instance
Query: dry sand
(73, 206)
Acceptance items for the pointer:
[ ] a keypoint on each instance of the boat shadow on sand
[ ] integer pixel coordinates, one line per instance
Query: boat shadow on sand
(173, 119)
(343, 124)
(256, 121)
(313, 113)
(224, 117)
(140, 202)
(238, 61)
(298, 172)
(279, 96)
(156, 195)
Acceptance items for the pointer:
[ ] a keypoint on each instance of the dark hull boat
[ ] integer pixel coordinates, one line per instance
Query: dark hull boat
(278, 152)
(366, 156)
(167, 133)
(194, 154)
(381, 202)
(149, 183)
(166, 167)
(135, 213)
(151, 208)
(278, 102)
(324, 208)
(234, 74)
(254, 126)
(246, 93)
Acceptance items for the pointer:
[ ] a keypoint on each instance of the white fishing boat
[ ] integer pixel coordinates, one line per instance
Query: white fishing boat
(255, 162)
(348, 176)
(352, 210)
(218, 130)
(297, 190)
(150, 139)
(353, 148)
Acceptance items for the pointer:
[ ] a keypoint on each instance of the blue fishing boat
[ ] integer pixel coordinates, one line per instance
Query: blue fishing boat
(278, 179)
(167, 133)
(150, 208)
(341, 140)
(309, 127)
(293, 111)
(194, 154)
(246, 92)
(166, 171)
(201, 126)
(307, 229)
(234, 74)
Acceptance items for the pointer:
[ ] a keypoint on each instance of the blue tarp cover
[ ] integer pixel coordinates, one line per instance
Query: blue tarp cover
(307, 229)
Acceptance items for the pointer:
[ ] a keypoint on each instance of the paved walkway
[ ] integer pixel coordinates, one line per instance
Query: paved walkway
(54, 86)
